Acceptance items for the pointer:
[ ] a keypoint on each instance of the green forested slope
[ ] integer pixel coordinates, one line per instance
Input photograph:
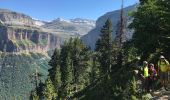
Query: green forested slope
(16, 71)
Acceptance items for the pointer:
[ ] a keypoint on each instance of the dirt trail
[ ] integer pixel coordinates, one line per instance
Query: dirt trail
(161, 95)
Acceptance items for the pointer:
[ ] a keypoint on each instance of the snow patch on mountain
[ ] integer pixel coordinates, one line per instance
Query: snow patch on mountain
(62, 20)
(39, 23)
(83, 21)
(75, 26)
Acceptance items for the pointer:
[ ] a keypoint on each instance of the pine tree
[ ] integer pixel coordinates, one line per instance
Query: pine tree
(94, 75)
(57, 80)
(119, 37)
(66, 69)
(66, 78)
(80, 57)
(75, 50)
(54, 72)
(104, 47)
(49, 90)
(34, 96)
(148, 26)
(133, 89)
(54, 63)
(39, 90)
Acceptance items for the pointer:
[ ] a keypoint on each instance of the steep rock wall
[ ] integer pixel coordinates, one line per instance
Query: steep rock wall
(18, 40)
(11, 17)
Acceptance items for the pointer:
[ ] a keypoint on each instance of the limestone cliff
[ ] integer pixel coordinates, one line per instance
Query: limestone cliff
(13, 39)
(10, 17)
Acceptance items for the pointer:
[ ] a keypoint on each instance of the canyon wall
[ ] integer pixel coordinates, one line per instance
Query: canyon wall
(10, 17)
(18, 40)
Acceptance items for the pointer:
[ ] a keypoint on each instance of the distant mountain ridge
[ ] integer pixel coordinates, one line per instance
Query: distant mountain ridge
(78, 25)
(75, 26)
(20, 32)
(91, 38)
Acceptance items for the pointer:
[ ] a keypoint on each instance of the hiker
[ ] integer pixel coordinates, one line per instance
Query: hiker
(145, 76)
(152, 76)
(163, 67)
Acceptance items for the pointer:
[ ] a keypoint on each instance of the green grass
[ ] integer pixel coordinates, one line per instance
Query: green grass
(23, 42)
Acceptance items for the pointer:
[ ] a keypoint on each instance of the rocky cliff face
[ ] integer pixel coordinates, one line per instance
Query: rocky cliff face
(91, 38)
(10, 17)
(14, 39)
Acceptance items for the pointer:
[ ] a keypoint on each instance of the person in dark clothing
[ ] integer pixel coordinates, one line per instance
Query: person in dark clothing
(152, 77)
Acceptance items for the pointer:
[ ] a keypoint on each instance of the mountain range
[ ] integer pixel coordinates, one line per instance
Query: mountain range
(22, 33)
(73, 27)
(26, 44)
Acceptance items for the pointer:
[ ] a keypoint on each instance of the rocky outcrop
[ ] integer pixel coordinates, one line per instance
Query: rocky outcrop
(10, 17)
(14, 39)
(91, 38)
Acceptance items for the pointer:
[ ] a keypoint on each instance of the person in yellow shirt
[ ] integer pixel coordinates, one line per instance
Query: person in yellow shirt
(163, 68)
(145, 76)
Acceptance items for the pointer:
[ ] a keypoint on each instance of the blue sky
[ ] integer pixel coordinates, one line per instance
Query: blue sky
(68, 9)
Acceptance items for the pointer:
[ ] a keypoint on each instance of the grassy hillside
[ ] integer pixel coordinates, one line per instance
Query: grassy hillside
(16, 71)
